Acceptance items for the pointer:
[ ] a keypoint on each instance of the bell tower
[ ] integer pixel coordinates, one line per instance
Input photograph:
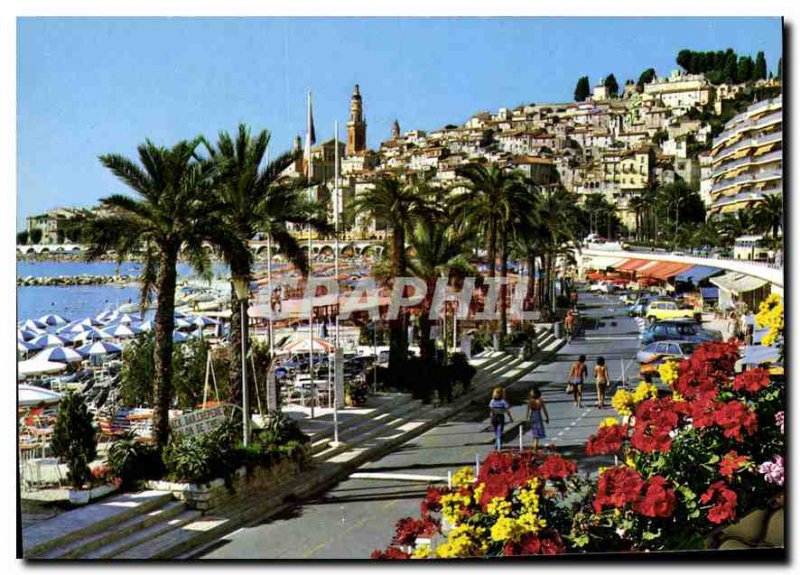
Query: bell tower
(395, 130)
(356, 126)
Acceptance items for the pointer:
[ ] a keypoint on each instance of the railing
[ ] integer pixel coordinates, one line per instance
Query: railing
(746, 125)
(746, 179)
(750, 143)
(727, 167)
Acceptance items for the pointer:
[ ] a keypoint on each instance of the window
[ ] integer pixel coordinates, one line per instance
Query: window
(674, 349)
(661, 348)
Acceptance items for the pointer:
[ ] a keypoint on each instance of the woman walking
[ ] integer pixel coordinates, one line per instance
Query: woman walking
(498, 408)
(577, 373)
(601, 381)
(536, 408)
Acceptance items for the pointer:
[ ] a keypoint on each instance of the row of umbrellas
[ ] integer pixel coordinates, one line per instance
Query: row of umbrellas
(92, 329)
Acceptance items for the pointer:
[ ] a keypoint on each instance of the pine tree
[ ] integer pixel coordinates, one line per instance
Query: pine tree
(744, 71)
(611, 85)
(779, 71)
(645, 78)
(760, 68)
(74, 438)
(730, 69)
(582, 89)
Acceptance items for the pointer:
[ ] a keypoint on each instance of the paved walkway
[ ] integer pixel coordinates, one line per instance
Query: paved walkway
(358, 515)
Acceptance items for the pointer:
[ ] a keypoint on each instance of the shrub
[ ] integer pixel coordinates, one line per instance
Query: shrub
(201, 458)
(280, 429)
(461, 370)
(132, 461)
(74, 439)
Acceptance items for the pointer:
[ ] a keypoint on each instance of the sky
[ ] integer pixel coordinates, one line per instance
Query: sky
(92, 86)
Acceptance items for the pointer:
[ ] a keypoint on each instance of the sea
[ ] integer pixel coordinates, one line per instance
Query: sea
(77, 302)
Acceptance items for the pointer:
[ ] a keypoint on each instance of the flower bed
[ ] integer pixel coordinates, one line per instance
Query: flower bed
(690, 465)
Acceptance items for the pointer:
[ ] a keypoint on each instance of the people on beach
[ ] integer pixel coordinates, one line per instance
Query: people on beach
(498, 408)
(601, 381)
(577, 373)
(534, 413)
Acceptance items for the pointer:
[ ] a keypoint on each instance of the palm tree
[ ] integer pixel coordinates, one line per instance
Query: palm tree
(557, 210)
(637, 205)
(732, 226)
(396, 203)
(440, 249)
(169, 216)
(252, 197)
(768, 214)
(495, 198)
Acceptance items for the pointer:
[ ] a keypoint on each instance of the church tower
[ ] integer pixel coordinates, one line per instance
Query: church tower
(356, 126)
(395, 130)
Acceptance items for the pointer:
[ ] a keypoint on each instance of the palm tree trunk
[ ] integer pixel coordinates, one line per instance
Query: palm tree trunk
(398, 337)
(164, 324)
(531, 292)
(238, 273)
(492, 247)
(503, 290)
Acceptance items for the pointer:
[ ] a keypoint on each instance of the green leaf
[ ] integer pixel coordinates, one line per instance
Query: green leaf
(649, 536)
(714, 459)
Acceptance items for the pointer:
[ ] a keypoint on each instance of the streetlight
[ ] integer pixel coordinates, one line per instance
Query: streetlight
(242, 289)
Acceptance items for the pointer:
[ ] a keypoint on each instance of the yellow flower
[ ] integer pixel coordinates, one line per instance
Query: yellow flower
(529, 523)
(617, 512)
(504, 529)
(622, 402)
(463, 541)
(529, 497)
(421, 552)
(677, 397)
(464, 477)
(452, 506)
(669, 371)
(629, 461)
(478, 492)
(644, 391)
(770, 315)
(608, 422)
(499, 506)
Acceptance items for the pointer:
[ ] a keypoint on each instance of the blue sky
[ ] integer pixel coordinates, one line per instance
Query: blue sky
(88, 86)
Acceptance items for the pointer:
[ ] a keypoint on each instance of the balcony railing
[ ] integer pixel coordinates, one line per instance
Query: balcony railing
(743, 197)
(746, 179)
(746, 126)
(749, 143)
(777, 155)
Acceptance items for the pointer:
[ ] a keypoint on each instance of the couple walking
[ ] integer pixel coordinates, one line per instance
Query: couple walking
(578, 372)
(536, 414)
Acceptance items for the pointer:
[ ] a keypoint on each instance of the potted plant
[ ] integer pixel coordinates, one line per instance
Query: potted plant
(74, 442)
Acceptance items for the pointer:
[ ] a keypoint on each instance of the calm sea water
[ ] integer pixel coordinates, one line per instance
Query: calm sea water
(77, 302)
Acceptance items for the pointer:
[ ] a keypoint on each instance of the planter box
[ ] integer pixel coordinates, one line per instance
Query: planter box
(83, 496)
(206, 496)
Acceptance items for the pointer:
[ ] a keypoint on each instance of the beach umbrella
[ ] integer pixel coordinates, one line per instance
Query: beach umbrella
(27, 334)
(59, 354)
(183, 323)
(179, 337)
(122, 330)
(129, 318)
(29, 396)
(53, 319)
(50, 340)
(74, 327)
(99, 348)
(26, 346)
(33, 324)
(105, 317)
(146, 325)
(179, 313)
(203, 321)
(90, 321)
(91, 334)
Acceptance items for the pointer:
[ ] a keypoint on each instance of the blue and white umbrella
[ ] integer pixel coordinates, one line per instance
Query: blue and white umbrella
(91, 334)
(33, 324)
(183, 323)
(129, 318)
(203, 321)
(53, 319)
(26, 346)
(27, 334)
(122, 330)
(106, 316)
(99, 348)
(179, 337)
(50, 340)
(74, 327)
(179, 313)
(91, 321)
(59, 354)
(145, 325)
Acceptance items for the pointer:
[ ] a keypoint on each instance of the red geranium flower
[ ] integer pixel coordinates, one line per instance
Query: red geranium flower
(551, 543)
(730, 463)
(556, 467)
(431, 501)
(733, 417)
(724, 508)
(616, 487)
(658, 499)
(391, 553)
(607, 440)
(753, 380)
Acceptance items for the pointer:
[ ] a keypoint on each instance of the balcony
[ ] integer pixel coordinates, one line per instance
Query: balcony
(763, 175)
(775, 156)
(746, 126)
(749, 143)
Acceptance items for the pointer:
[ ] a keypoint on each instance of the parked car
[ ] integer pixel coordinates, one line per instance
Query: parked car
(679, 329)
(659, 351)
(678, 253)
(640, 306)
(662, 309)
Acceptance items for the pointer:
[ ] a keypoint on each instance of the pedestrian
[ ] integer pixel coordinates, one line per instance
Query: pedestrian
(749, 327)
(498, 408)
(569, 324)
(536, 408)
(601, 381)
(577, 373)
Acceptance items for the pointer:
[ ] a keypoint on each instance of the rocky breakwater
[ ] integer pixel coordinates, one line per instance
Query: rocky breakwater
(80, 280)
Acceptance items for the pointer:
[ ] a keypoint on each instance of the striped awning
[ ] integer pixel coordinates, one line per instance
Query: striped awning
(631, 265)
(664, 270)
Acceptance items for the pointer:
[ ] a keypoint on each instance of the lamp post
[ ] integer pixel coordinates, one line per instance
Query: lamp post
(242, 289)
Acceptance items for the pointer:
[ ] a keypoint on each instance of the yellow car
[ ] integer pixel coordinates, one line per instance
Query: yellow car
(659, 310)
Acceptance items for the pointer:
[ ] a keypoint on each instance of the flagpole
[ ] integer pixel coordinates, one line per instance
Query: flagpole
(336, 276)
(310, 268)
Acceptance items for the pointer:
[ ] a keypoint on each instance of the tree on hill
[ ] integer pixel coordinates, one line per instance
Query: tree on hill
(745, 68)
(645, 78)
(582, 89)
(729, 71)
(611, 85)
(760, 68)
(22, 238)
(778, 73)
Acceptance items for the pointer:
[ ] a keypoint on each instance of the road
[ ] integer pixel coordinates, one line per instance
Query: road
(358, 515)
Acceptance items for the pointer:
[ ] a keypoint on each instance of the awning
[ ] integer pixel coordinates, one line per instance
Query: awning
(664, 270)
(631, 265)
(738, 283)
(696, 274)
(600, 262)
(709, 293)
